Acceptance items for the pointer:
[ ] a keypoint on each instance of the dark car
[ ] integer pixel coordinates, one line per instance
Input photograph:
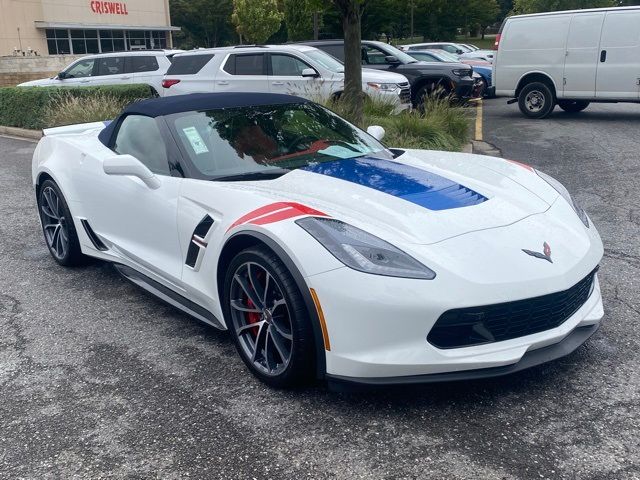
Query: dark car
(425, 78)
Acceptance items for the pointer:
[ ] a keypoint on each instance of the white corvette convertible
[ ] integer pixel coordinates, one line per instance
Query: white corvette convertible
(324, 253)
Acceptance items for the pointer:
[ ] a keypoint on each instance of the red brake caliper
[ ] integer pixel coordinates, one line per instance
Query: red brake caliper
(252, 317)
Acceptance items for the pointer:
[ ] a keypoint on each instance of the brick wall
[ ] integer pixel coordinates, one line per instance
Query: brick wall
(14, 70)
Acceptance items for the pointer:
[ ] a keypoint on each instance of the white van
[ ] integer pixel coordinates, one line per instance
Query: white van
(569, 58)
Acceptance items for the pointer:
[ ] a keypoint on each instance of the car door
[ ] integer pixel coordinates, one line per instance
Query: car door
(581, 57)
(246, 72)
(619, 61)
(142, 69)
(137, 222)
(79, 74)
(285, 76)
(111, 71)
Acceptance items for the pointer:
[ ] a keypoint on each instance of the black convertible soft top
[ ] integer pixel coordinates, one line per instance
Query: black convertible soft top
(156, 107)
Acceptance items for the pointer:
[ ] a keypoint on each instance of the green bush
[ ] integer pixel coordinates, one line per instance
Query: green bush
(34, 107)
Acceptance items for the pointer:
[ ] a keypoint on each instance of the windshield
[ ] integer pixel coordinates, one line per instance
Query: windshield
(447, 57)
(399, 54)
(252, 143)
(326, 60)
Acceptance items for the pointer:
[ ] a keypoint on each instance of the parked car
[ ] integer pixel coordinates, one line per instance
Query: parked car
(480, 67)
(425, 78)
(584, 56)
(120, 68)
(324, 254)
(292, 69)
(463, 51)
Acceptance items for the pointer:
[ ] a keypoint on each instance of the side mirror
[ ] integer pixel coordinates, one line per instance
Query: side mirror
(62, 75)
(309, 72)
(391, 59)
(376, 131)
(130, 165)
(459, 52)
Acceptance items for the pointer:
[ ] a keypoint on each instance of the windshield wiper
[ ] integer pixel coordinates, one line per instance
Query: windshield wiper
(259, 175)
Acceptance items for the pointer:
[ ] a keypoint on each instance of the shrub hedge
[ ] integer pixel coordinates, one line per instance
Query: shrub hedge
(30, 107)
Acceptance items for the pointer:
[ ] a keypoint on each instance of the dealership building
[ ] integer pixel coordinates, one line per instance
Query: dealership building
(78, 27)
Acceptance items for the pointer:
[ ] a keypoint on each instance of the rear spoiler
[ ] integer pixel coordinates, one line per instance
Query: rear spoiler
(75, 129)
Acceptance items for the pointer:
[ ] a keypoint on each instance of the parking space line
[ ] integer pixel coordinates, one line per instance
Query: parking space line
(478, 135)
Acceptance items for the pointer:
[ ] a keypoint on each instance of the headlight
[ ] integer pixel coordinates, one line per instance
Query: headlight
(384, 87)
(462, 72)
(564, 193)
(362, 251)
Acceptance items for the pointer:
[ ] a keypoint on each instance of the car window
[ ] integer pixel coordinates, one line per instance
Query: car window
(450, 48)
(188, 64)
(84, 68)
(336, 51)
(373, 56)
(142, 63)
(110, 65)
(239, 141)
(286, 65)
(248, 64)
(140, 136)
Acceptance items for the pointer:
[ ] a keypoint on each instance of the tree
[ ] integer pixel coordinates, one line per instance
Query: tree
(534, 6)
(481, 14)
(256, 20)
(298, 17)
(205, 23)
(353, 96)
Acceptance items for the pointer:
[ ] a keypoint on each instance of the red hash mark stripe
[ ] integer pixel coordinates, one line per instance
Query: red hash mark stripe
(523, 165)
(276, 212)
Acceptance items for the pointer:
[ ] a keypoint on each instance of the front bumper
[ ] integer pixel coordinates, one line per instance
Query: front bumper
(530, 359)
(464, 88)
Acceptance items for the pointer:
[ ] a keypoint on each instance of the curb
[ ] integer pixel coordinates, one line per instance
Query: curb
(484, 148)
(467, 148)
(21, 133)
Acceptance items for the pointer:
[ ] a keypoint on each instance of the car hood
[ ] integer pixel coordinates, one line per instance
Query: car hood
(38, 83)
(371, 75)
(421, 197)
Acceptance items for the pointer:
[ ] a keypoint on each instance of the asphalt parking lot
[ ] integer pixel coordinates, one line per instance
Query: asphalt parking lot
(100, 380)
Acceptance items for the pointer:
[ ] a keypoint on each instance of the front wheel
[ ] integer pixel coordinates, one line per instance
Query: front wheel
(536, 100)
(573, 106)
(267, 318)
(57, 225)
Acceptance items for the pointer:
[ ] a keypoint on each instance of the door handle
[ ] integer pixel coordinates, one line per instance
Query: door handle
(223, 82)
(84, 80)
(603, 56)
(277, 83)
(125, 77)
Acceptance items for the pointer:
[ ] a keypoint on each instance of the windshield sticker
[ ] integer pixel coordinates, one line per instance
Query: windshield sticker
(195, 140)
(340, 152)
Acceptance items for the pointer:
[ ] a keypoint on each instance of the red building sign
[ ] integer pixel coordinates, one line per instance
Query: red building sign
(110, 8)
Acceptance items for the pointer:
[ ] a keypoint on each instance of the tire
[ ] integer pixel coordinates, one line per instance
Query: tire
(573, 106)
(280, 348)
(536, 100)
(484, 86)
(57, 226)
(430, 89)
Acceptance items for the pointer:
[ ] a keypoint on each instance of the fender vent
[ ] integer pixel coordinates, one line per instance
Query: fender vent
(97, 243)
(198, 241)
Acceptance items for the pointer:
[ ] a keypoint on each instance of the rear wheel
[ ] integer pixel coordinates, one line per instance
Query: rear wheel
(268, 319)
(57, 225)
(573, 106)
(536, 100)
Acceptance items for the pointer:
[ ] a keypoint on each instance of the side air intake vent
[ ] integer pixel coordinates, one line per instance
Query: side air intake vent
(97, 243)
(198, 242)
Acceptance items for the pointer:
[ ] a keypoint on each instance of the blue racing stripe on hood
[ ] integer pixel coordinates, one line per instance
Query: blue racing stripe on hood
(412, 184)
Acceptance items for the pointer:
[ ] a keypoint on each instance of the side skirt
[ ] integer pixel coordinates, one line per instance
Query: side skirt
(166, 294)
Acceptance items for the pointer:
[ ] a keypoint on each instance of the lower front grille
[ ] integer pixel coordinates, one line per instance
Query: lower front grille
(464, 327)
(405, 95)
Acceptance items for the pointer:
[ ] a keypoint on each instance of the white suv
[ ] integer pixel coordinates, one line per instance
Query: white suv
(119, 68)
(293, 69)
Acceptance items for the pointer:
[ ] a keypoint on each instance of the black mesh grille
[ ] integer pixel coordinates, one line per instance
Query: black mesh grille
(464, 327)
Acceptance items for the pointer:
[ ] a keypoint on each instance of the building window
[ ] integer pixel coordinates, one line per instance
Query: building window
(84, 41)
(112, 41)
(58, 41)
